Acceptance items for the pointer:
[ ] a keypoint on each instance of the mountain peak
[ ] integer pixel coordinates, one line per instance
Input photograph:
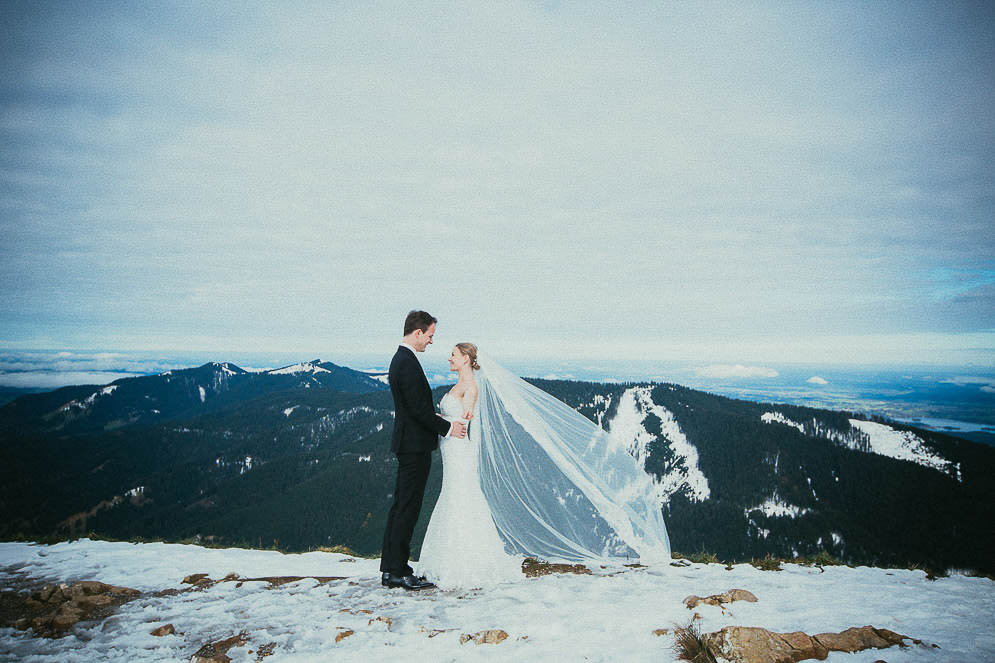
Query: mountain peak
(313, 366)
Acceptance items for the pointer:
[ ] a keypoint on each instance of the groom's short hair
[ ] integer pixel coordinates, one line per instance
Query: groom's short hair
(418, 320)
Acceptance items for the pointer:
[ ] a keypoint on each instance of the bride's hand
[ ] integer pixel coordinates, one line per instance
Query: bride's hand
(468, 415)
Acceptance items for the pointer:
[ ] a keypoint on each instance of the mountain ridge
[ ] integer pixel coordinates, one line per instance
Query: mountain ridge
(308, 465)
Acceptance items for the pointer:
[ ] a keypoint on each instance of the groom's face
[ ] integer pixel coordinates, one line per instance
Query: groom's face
(423, 339)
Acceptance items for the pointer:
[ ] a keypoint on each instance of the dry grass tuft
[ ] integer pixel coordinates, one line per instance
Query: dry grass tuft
(768, 563)
(689, 645)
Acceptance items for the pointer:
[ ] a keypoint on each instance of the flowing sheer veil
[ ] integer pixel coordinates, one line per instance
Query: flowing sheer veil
(559, 488)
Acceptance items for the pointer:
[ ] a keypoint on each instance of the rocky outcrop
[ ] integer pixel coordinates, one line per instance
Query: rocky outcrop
(748, 644)
(51, 611)
(718, 599)
(203, 580)
(217, 652)
(489, 637)
(532, 568)
(166, 629)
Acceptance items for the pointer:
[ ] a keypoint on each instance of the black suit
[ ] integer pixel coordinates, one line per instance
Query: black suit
(416, 434)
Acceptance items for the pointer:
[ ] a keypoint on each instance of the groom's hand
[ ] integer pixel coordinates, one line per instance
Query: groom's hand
(459, 429)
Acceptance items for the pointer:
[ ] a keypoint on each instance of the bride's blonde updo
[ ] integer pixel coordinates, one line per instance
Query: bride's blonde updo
(470, 350)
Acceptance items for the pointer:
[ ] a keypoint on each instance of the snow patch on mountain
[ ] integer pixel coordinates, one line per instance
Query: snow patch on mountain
(777, 417)
(287, 411)
(600, 404)
(304, 367)
(375, 373)
(91, 399)
(776, 507)
(852, 438)
(904, 445)
(203, 394)
(627, 428)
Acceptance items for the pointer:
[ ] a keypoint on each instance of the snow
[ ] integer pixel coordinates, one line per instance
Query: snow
(600, 403)
(89, 400)
(135, 492)
(287, 411)
(203, 394)
(777, 417)
(607, 616)
(852, 438)
(904, 445)
(306, 367)
(627, 429)
(774, 506)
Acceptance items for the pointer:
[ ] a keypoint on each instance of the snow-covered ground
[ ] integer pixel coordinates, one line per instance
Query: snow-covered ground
(904, 445)
(608, 616)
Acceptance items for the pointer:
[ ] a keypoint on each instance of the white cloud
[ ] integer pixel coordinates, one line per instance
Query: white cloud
(815, 379)
(985, 384)
(558, 376)
(258, 176)
(967, 380)
(736, 371)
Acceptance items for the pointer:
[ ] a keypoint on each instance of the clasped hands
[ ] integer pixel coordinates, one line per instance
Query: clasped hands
(459, 428)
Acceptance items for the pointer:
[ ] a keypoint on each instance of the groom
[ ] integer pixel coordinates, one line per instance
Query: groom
(416, 434)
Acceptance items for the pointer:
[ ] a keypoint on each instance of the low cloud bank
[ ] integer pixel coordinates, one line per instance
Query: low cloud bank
(735, 371)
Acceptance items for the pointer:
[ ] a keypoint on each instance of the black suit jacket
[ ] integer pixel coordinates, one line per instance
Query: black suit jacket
(416, 425)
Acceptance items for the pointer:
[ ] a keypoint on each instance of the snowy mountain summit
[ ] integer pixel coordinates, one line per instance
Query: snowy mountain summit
(313, 366)
(253, 605)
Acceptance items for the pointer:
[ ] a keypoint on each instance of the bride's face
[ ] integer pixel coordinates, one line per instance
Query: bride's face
(457, 360)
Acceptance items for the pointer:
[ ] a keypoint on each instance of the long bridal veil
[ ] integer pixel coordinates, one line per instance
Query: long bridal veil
(559, 488)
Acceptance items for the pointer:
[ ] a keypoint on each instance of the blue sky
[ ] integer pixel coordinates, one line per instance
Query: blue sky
(718, 181)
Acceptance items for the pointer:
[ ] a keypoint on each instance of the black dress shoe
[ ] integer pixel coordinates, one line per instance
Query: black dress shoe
(409, 582)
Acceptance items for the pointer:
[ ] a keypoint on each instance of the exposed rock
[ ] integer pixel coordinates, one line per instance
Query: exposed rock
(749, 644)
(265, 650)
(345, 633)
(386, 620)
(718, 599)
(217, 652)
(489, 637)
(54, 609)
(859, 638)
(166, 629)
(197, 579)
(533, 567)
(661, 631)
(203, 581)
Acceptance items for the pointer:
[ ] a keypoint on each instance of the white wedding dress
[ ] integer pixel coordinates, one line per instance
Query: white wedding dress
(462, 548)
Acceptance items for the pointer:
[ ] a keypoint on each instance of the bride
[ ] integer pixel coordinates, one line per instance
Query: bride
(533, 478)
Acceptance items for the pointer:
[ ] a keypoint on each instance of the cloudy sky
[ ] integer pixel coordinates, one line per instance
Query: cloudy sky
(720, 181)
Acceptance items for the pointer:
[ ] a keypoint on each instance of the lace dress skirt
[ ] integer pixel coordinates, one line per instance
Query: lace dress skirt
(462, 548)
